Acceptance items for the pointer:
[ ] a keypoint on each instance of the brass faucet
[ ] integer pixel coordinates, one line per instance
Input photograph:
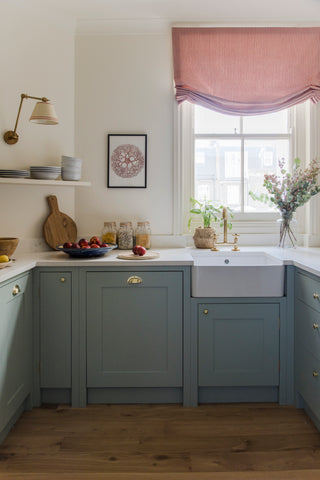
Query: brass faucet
(225, 235)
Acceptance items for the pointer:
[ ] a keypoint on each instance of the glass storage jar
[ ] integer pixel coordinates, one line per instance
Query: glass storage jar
(125, 236)
(143, 234)
(109, 233)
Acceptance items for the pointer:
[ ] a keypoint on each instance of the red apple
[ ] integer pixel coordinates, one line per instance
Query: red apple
(94, 245)
(75, 245)
(83, 242)
(104, 245)
(67, 245)
(95, 240)
(138, 250)
(85, 246)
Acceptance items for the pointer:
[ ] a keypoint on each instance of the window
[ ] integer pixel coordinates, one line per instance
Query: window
(231, 154)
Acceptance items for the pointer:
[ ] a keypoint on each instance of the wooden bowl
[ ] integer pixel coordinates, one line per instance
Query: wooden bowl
(8, 245)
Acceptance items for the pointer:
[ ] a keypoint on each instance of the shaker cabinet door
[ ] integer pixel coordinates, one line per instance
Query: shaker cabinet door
(134, 329)
(238, 345)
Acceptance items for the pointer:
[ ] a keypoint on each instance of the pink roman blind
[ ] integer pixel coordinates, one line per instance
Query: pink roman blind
(246, 71)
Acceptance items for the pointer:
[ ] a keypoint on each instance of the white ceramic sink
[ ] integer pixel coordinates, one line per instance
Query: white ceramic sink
(236, 274)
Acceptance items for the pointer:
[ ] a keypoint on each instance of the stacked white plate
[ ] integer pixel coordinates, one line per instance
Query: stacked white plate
(14, 173)
(71, 168)
(45, 173)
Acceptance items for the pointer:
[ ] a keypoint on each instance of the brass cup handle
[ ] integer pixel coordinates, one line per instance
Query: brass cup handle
(134, 280)
(315, 373)
(315, 295)
(16, 290)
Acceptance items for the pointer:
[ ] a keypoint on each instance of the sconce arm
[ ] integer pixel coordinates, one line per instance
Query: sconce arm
(11, 137)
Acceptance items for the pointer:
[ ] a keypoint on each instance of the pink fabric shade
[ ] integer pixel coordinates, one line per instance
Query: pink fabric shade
(246, 71)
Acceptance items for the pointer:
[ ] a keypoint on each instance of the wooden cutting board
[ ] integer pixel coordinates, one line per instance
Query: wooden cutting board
(58, 227)
(132, 256)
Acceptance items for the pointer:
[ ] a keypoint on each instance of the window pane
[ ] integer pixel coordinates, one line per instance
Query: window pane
(208, 121)
(260, 157)
(218, 171)
(272, 123)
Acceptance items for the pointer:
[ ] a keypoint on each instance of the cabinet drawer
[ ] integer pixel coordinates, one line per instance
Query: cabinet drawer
(307, 328)
(13, 289)
(308, 290)
(308, 378)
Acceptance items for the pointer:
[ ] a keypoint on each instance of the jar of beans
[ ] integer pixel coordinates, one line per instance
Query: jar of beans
(125, 236)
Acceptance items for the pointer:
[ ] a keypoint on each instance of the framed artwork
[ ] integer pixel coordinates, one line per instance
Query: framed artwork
(127, 161)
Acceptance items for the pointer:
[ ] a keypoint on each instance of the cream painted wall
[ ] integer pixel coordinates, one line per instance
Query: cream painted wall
(37, 58)
(124, 85)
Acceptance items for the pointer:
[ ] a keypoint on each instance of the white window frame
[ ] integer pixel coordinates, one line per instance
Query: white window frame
(262, 226)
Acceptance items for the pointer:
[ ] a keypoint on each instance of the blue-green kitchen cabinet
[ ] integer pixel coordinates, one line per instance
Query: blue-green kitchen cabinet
(307, 343)
(15, 349)
(134, 335)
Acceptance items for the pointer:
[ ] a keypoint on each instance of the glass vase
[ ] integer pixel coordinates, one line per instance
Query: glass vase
(288, 231)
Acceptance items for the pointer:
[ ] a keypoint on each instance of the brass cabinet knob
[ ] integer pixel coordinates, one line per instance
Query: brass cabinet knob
(16, 290)
(315, 373)
(315, 326)
(315, 295)
(205, 311)
(62, 279)
(134, 280)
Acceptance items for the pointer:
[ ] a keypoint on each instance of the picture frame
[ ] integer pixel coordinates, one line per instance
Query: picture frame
(127, 160)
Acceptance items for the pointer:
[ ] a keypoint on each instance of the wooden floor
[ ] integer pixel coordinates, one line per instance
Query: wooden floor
(162, 442)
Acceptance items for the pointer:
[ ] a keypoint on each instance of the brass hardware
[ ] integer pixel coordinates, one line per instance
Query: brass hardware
(315, 295)
(315, 373)
(236, 238)
(214, 248)
(205, 311)
(134, 280)
(11, 137)
(315, 326)
(16, 290)
(62, 279)
(225, 235)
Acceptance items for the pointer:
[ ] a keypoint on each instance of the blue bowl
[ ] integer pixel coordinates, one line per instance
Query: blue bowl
(86, 252)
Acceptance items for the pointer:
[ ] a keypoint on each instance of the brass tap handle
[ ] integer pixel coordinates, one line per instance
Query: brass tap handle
(236, 239)
(214, 247)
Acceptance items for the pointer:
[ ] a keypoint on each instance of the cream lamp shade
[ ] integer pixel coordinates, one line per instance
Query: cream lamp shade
(44, 113)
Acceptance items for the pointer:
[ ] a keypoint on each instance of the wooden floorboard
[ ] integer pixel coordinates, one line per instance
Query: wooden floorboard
(162, 442)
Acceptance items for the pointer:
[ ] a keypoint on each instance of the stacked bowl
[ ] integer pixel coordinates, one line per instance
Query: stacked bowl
(45, 173)
(71, 168)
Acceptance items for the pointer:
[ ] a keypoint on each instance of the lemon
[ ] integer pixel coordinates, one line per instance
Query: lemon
(4, 258)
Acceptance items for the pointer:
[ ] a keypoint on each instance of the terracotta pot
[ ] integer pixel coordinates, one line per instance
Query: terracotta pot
(203, 237)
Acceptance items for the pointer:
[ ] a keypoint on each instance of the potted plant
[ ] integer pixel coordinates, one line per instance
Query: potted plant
(203, 237)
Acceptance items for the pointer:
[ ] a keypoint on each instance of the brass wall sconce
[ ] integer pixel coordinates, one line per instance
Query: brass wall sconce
(43, 113)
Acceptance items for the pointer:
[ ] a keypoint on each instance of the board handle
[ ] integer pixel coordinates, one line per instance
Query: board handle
(53, 203)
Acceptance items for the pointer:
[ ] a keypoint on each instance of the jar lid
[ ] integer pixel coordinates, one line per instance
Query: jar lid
(109, 223)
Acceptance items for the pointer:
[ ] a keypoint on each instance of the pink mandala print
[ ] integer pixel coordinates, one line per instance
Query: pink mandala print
(127, 161)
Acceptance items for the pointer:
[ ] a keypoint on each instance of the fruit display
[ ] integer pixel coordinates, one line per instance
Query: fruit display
(94, 242)
(86, 248)
(139, 250)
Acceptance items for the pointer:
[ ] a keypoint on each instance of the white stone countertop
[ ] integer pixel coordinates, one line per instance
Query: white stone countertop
(305, 258)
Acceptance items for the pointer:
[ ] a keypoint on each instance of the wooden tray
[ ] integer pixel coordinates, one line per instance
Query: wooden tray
(132, 256)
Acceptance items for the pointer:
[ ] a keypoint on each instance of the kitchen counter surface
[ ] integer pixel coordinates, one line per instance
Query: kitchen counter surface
(305, 258)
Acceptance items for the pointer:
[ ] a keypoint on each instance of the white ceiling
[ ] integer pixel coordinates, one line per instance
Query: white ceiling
(91, 14)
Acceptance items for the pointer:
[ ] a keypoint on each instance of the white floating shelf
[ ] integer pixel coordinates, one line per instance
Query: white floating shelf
(35, 181)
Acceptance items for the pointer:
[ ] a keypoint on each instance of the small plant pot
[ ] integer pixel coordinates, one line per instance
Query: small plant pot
(203, 237)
